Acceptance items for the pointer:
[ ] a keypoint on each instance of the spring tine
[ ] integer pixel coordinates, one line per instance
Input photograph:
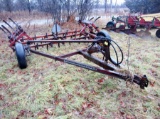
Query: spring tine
(5, 33)
(62, 43)
(8, 24)
(35, 37)
(59, 45)
(12, 20)
(51, 44)
(52, 34)
(6, 29)
(37, 46)
(63, 35)
(75, 33)
(46, 35)
(66, 33)
(91, 18)
(47, 47)
(3, 30)
(14, 23)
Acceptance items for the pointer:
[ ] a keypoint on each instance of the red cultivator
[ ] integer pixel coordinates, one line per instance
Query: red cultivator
(129, 24)
(100, 42)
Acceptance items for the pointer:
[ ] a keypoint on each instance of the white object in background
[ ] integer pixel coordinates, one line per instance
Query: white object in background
(56, 28)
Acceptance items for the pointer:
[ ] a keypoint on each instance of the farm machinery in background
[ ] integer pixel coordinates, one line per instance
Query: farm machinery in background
(97, 41)
(130, 24)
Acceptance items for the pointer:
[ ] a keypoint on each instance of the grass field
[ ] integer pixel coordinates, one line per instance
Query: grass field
(54, 90)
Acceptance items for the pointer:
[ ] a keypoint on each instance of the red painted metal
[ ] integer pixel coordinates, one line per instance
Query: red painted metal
(98, 44)
(133, 23)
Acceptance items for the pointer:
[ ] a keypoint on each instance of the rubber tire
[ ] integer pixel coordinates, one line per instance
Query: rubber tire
(110, 25)
(158, 33)
(21, 57)
(121, 27)
(104, 34)
(131, 26)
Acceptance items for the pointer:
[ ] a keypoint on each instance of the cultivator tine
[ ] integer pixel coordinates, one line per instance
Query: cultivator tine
(19, 27)
(75, 33)
(46, 35)
(36, 47)
(64, 35)
(51, 44)
(35, 37)
(91, 18)
(47, 47)
(62, 39)
(3, 30)
(52, 34)
(59, 45)
(6, 29)
(8, 24)
(96, 19)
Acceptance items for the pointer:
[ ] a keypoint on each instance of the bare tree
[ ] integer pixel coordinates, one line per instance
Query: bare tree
(40, 4)
(116, 6)
(1, 5)
(29, 6)
(110, 8)
(8, 5)
(105, 5)
(84, 8)
(20, 5)
(58, 8)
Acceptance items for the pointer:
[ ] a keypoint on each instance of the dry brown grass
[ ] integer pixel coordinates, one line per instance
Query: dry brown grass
(23, 15)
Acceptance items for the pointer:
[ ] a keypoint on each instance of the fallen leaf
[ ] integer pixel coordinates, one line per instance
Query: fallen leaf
(122, 113)
(49, 111)
(152, 83)
(100, 80)
(122, 104)
(1, 97)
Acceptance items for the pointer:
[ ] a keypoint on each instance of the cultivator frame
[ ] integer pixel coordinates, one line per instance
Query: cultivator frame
(130, 24)
(100, 42)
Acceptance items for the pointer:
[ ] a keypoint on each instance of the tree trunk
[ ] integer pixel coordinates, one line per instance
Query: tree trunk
(105, 5)
(116, 6)
(29, 6)
(110, 8)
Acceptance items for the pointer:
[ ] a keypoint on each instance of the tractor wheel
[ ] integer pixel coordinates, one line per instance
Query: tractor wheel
(20, 54)
(131, 26)
(158, 33)
(104, 34)
(121, 27)
(110, 25)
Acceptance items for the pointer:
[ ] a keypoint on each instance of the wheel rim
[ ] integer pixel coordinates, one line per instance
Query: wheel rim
(158, 33)
(110, 25)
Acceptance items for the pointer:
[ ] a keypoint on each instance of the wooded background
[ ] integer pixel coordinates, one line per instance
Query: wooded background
(66, 8)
